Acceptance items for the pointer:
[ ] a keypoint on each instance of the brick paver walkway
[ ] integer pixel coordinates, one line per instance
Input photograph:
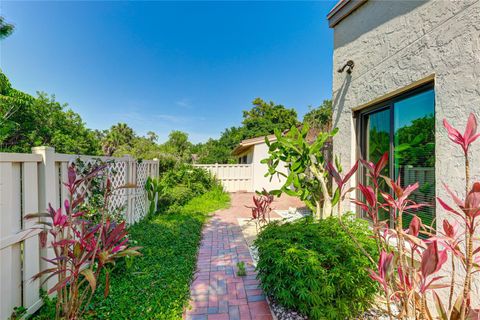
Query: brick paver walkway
(217, 292)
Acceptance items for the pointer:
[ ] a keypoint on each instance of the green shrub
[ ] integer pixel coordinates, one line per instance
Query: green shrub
(183, 183)
(315, 268)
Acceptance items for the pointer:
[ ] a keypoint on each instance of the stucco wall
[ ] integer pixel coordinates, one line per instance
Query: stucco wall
(397, 43)
(260, 152)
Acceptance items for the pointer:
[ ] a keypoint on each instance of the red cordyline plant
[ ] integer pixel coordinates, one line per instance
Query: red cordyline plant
(410, 268)
(261, 208)
(82, 249)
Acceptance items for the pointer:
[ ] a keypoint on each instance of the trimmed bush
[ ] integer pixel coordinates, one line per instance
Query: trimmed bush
(315, 268)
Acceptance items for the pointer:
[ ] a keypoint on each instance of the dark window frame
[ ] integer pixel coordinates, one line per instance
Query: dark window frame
(360, 124)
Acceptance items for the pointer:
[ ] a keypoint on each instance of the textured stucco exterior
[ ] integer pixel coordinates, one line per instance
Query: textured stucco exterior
(395, 44)
(260, 182)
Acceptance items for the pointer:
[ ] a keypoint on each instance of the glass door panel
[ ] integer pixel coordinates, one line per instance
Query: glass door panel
(377, 142)
(414, 150)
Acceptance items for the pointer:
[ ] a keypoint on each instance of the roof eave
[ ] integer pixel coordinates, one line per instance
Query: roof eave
(241, 150)
(342, 10)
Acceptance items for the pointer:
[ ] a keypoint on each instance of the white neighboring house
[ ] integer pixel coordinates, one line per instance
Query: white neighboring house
(398, 64)
(253, 151)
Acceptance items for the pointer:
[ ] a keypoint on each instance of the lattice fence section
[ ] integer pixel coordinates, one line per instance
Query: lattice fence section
(118, 172)
(132, 203)
(140, 196)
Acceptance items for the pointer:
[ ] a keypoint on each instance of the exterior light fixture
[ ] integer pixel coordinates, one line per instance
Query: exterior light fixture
(348, 66)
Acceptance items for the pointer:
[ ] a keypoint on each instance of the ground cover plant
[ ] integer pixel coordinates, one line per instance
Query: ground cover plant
(314, 267)
(156, 284)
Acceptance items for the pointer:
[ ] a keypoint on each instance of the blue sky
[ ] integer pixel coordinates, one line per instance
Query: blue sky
(162, 66)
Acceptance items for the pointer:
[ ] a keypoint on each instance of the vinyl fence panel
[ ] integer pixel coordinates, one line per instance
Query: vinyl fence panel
(28, 184)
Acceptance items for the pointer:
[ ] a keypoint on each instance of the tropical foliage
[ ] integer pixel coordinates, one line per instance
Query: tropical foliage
(315, 268)
(27, 121)
(262, 119)
(261, 208)
(83, 250)
(303, 164)
(156, 284)
(320, 118)
(6, 28)
(405, 283)
(181, 184)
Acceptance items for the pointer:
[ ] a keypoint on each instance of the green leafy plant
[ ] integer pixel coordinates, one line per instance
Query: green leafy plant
(82, 249)
(241, 271)
(157, 284)
(183, 183)
(314, 267)
(153, 188)
(95, 190)
(18, 313)
(303, 165)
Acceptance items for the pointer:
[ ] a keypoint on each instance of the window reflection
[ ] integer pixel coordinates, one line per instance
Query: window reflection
(414, 141)
(412, 133)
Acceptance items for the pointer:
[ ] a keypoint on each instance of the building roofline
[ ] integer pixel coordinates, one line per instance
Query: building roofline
(247, 143)
(341, 10)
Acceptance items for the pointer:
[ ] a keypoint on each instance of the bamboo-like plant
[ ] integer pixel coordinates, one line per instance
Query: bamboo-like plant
(82, 249)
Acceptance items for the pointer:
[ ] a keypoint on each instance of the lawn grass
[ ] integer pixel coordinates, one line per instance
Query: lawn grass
(156, 284)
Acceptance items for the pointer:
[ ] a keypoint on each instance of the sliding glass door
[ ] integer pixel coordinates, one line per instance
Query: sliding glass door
(404, 126)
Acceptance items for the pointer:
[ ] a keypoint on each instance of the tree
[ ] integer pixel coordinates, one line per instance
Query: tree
(152, 136)
(26, 122)
(265, 117)
(6, 29)
(261, 120)
(320, 118)
(178, 144)
(118, 135)
(139, 148)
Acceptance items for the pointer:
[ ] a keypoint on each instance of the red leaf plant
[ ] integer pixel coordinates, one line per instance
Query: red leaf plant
(340, 193)
(81, 248)
(411, 266)
(261, 208)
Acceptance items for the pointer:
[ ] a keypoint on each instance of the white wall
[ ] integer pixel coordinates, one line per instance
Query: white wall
(233, 177)
(260, 152)
(397, 43)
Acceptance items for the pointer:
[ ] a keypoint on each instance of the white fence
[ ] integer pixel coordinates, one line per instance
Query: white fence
(28, 183)
(234, 177)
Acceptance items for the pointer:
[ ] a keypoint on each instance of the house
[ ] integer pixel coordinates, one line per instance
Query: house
(253, 151)
(400, 68)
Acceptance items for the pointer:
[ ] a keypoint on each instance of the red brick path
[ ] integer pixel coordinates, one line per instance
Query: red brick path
(217, 292)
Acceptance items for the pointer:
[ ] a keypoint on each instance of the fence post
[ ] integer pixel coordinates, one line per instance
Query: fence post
(156, 168)
(129, 180)
(46, 195)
